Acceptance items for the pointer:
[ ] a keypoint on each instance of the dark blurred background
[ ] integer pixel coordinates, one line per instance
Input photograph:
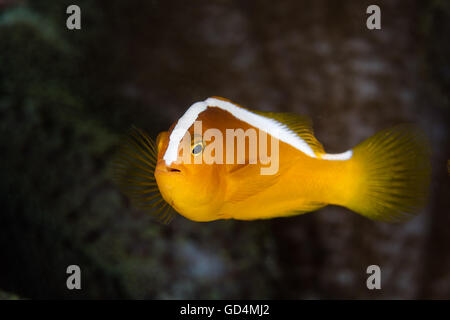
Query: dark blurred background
(66, 97)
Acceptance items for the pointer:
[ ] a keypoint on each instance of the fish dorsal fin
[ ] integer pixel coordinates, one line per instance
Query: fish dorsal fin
(301, 125)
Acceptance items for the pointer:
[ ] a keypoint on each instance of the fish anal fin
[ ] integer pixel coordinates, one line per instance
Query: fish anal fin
(304, 208)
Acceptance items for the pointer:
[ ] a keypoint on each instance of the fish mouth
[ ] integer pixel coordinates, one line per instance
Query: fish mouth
(163, 167)
(167, 170)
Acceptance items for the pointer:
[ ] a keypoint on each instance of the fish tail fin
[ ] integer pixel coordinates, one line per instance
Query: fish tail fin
(392, 174)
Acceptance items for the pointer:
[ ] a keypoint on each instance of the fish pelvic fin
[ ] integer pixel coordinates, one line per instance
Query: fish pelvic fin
(391, 175)
(134, 173)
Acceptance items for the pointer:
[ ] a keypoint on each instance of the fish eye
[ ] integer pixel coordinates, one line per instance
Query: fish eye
(197, 148)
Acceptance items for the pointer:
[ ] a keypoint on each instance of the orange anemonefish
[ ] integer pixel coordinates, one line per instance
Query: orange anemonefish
(385, 178)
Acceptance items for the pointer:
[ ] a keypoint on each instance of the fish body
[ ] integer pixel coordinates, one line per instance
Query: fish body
(304, 184)
(202, 171)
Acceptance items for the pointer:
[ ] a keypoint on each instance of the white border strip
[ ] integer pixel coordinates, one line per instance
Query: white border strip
(338, 156)
(274, 128)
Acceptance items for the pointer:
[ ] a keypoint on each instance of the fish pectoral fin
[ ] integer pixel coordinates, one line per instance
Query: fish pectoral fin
(133, 171)
(246, 180)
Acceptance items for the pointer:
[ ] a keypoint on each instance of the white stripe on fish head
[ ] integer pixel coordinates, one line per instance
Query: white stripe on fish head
(274, 128)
